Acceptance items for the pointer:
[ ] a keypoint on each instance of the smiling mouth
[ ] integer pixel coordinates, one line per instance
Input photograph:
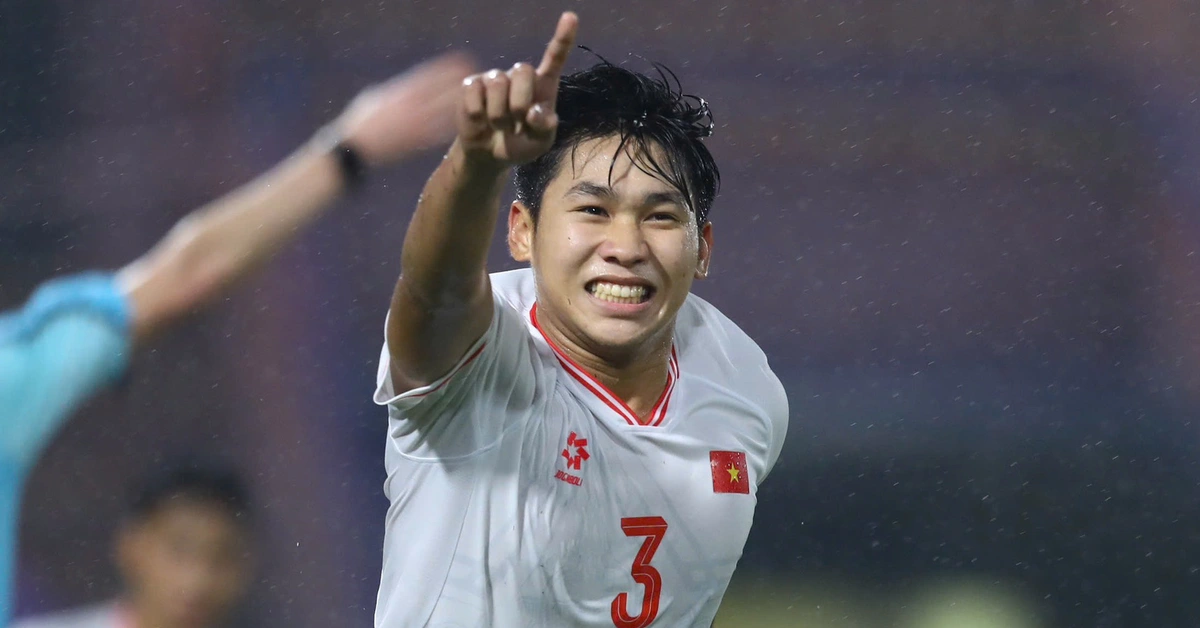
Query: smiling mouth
(620, 293)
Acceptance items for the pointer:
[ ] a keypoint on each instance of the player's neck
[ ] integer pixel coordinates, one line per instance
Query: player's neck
(637, 377)
(638, 383)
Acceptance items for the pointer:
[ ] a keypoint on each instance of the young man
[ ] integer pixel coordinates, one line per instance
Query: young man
(74, 334)
(182, 553)
(579, 443)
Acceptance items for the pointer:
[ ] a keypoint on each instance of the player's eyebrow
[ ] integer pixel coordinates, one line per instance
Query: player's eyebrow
(664, 198)
(586, 188)
(592, 190)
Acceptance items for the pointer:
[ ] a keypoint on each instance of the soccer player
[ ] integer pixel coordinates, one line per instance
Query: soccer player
(579, 443)
(183, 553)
(74, 334)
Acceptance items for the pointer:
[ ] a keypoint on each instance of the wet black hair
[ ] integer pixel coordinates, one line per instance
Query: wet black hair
(208, 483)
(643, 111)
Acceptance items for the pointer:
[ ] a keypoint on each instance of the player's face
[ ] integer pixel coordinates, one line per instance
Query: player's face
(614, 251)
(186, 563)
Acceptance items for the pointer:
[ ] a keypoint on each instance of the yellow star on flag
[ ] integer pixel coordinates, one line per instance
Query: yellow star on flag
(733, 474)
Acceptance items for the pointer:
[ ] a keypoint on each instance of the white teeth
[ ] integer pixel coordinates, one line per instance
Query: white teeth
(618, 293)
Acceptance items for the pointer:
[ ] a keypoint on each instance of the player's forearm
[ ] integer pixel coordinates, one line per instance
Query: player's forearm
(442, 302)
(443, 262)
(224, 240)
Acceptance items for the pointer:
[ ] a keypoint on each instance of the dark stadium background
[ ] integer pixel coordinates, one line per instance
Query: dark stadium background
(965, 234)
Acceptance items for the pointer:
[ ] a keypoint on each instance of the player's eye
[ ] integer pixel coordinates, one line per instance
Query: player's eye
(592, 210)
(664, 217)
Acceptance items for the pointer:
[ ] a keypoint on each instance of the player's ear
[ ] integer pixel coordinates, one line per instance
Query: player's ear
(520, 232)
(705, 253)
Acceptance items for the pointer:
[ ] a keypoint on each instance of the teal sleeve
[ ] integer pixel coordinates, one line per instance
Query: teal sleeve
(71, 338)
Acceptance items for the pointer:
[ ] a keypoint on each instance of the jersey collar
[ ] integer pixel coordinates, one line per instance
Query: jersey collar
(603, 393)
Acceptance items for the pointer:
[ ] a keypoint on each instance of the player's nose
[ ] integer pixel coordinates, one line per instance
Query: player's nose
(624, 243)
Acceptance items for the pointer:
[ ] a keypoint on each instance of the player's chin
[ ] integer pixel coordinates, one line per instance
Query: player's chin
(619, 335)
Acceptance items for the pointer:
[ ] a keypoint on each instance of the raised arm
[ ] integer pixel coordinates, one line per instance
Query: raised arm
(442, 303)
(220, 242)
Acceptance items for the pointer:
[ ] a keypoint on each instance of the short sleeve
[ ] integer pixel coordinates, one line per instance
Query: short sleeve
(467, 410)
(718, 350)
(775, 405)
(70, 339)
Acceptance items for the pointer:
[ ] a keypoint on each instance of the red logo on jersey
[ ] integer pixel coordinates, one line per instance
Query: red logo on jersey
(729, 473)
(573, 480)
(581, 454)
(574, 460)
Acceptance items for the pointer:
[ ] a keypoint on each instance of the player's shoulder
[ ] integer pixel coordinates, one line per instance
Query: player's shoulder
(702, 328)
(515, 288)
(98, 616)
(711, 345)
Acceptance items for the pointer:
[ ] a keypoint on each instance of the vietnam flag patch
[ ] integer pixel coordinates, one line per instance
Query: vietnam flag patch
(729, 473)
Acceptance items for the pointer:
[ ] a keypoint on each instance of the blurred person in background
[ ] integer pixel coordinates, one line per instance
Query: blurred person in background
(182, 551)
(74, 335)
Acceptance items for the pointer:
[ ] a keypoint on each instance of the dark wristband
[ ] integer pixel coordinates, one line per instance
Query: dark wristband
(351, 165)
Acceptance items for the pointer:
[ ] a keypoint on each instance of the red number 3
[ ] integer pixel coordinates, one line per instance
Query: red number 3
(654, 529)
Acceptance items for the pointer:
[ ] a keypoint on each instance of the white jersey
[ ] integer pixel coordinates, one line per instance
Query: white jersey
(103, 616)
(526, 494)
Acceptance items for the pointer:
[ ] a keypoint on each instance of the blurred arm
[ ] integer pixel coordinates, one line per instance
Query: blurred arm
(225, 240)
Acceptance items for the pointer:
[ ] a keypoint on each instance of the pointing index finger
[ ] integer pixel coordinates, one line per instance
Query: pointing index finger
(559, 48)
